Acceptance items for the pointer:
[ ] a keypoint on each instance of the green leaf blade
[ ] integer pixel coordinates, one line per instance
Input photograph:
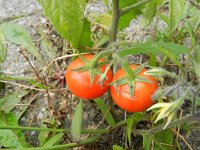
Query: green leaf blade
(77, 122)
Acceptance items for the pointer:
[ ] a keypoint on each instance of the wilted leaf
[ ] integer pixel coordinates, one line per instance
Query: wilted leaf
(77, 122)
(19, 35)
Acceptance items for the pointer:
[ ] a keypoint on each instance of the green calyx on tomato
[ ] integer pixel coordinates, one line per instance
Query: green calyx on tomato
(131, 76)
(83, 75)
(144, 87)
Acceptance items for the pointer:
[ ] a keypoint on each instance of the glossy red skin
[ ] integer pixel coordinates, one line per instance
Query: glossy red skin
(79, 83)
(142, 94)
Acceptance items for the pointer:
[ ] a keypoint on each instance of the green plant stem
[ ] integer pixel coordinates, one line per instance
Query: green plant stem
(64, 146)
(187, 119)
(115, 20)
(129, 8)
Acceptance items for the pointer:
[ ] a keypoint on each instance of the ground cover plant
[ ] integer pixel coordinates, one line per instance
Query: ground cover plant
(145, 91)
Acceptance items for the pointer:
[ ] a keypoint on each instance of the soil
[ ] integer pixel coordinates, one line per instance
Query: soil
(28, 14)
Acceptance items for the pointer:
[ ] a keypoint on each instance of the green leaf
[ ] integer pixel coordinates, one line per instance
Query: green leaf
(177, 10)
(77, 122)
(125, 19)
(196, 61)
(55, 139)
(67, 17)
(146, 142)
(165, 143)
(85, 39)
(48, 48)
(105, 111)
(8, 102)
(11, 138)
(117, 147)
(154, 48)
(3, 46)
(19, 35)
(132, 122)
(101, 41)
(149, 12)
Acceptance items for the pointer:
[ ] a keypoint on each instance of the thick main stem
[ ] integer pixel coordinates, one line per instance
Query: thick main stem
(115, 20)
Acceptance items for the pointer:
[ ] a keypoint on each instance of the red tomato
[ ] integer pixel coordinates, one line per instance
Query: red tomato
(141, 99)
(79, 83)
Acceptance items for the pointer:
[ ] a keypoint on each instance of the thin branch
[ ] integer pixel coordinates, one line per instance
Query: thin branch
(180, 136)
(115, 20)
(129, 8)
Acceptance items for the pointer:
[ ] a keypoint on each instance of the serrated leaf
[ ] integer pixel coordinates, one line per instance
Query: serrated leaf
(11, 138)
(55, 139)
(19, 35)
(67, 17)
(77, 122)
(105, 111)
(3, 46)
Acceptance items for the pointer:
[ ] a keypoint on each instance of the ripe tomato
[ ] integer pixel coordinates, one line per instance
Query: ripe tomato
(141, 99)
(79, 83)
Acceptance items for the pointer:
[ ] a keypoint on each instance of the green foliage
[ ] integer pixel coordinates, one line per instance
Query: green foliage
(132, 121)
(177, 11)
(8, 102)
(196, 61)
(164, 140)
(77, 122)
(54, 140)
(10, 138)
(105, 111)
(3, 46)
(150, 11)
(125, 19)
(68, 19)
(19, 35)
(117, 147)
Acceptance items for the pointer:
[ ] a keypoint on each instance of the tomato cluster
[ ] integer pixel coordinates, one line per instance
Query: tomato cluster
(79, 83)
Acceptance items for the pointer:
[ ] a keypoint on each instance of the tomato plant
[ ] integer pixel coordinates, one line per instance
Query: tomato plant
(141, 99)
(79, 82)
